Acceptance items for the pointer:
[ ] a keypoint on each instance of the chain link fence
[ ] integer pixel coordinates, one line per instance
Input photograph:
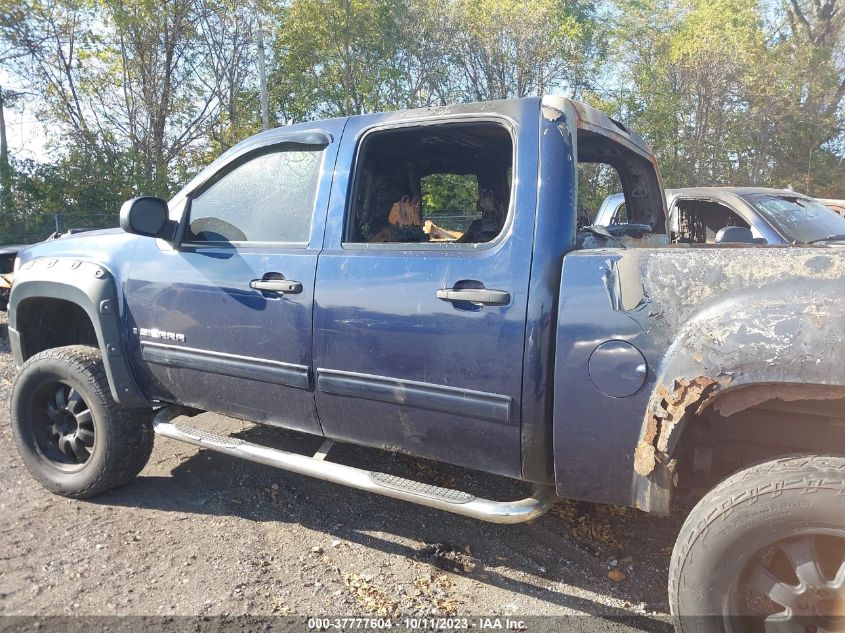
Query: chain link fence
(453, 222)
(37, 227)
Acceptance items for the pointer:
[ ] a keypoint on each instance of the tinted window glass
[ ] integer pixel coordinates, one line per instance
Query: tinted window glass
(798, 219)
(698, 221)
(269, 198)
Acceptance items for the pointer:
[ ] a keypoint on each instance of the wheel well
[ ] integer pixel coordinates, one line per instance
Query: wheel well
(751, 424)
(47, 323)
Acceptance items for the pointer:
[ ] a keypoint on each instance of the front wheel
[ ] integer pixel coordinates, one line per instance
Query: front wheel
(72, 436)
(765, 552)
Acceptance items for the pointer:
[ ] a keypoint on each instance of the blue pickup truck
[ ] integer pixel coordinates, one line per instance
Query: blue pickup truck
(308, 279)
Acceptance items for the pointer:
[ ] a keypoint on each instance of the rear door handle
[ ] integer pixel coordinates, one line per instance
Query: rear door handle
(282, 286)
(475, 295)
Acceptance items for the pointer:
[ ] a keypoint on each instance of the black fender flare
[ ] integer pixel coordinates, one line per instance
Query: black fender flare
(93, 288)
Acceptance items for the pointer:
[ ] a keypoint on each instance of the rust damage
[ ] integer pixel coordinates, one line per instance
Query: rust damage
(666, 413)
(738, 400)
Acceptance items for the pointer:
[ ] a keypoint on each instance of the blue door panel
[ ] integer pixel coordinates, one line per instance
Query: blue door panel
(231, 332)
(221, 345)
(397, 367)
(377, 315)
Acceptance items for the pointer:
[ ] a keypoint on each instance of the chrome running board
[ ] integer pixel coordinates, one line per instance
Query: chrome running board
(380, 483)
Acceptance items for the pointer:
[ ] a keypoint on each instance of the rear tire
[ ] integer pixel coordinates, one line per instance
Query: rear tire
(72, 436)
(764, 551)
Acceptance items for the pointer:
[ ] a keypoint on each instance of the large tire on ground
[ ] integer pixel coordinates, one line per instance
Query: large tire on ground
(765, 551)
(71, 434)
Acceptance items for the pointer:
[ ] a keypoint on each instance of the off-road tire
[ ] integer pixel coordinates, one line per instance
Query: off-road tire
(767, 503)
(123, 436)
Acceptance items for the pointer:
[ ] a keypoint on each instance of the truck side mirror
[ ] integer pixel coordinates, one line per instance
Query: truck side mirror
(735, 234)
(146, 215)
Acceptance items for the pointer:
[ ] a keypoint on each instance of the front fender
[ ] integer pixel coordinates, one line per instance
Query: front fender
(92, 287)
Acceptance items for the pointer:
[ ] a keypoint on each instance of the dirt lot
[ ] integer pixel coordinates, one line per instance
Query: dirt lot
(199, 533)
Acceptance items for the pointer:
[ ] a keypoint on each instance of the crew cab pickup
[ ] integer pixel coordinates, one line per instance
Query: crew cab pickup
(313, 278)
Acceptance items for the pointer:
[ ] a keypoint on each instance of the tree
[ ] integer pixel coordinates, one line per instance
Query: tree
(690, 70)
(143, 83)
(334, 58)
(340, 57)
(159, 104)
(735, 92)
(509, 48)
(7, 98)
(11, 50)
(809, 48)
(226, 30)
(140, 95)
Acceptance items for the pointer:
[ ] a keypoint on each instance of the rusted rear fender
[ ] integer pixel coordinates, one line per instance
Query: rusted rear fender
(678, 327)
(773, 320)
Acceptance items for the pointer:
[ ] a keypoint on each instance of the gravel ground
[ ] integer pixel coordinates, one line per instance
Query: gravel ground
(199, 533)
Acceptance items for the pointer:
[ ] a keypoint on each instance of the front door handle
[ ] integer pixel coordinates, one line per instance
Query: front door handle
(480, 296)
(282, 286)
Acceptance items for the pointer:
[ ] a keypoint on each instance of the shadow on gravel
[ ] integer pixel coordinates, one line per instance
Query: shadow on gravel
(209, 483)
(4, 337)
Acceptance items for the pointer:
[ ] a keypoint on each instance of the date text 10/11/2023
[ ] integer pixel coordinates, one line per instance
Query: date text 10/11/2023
(416, 624)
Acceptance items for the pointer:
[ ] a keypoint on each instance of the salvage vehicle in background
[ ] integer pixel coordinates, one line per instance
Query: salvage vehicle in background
(699, 215)
(836, 205)
(293, 283)
(8, 254)
(8, 257)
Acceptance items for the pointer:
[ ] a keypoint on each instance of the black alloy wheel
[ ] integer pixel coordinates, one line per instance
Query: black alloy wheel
(67, 433)
(72, 435)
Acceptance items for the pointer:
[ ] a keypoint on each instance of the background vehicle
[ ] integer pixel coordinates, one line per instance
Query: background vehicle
(7, 262)
(8, 256)
(774, 216)
(292, 283)
(836, 205)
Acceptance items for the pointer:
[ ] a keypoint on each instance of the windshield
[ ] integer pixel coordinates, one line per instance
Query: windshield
(798, 219)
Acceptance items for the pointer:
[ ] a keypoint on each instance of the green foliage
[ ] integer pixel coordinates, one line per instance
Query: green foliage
(335, 58)
(735, 92)
(73, 184)
(341, 57)
(512, 48)
(86, 194)
(449, 194)
(139, 96)
(595, 183)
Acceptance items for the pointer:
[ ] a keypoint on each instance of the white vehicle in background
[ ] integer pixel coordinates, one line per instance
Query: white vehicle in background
(836, 205)
(708, 215)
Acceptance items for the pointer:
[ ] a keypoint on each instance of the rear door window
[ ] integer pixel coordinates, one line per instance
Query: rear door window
(432, 185)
